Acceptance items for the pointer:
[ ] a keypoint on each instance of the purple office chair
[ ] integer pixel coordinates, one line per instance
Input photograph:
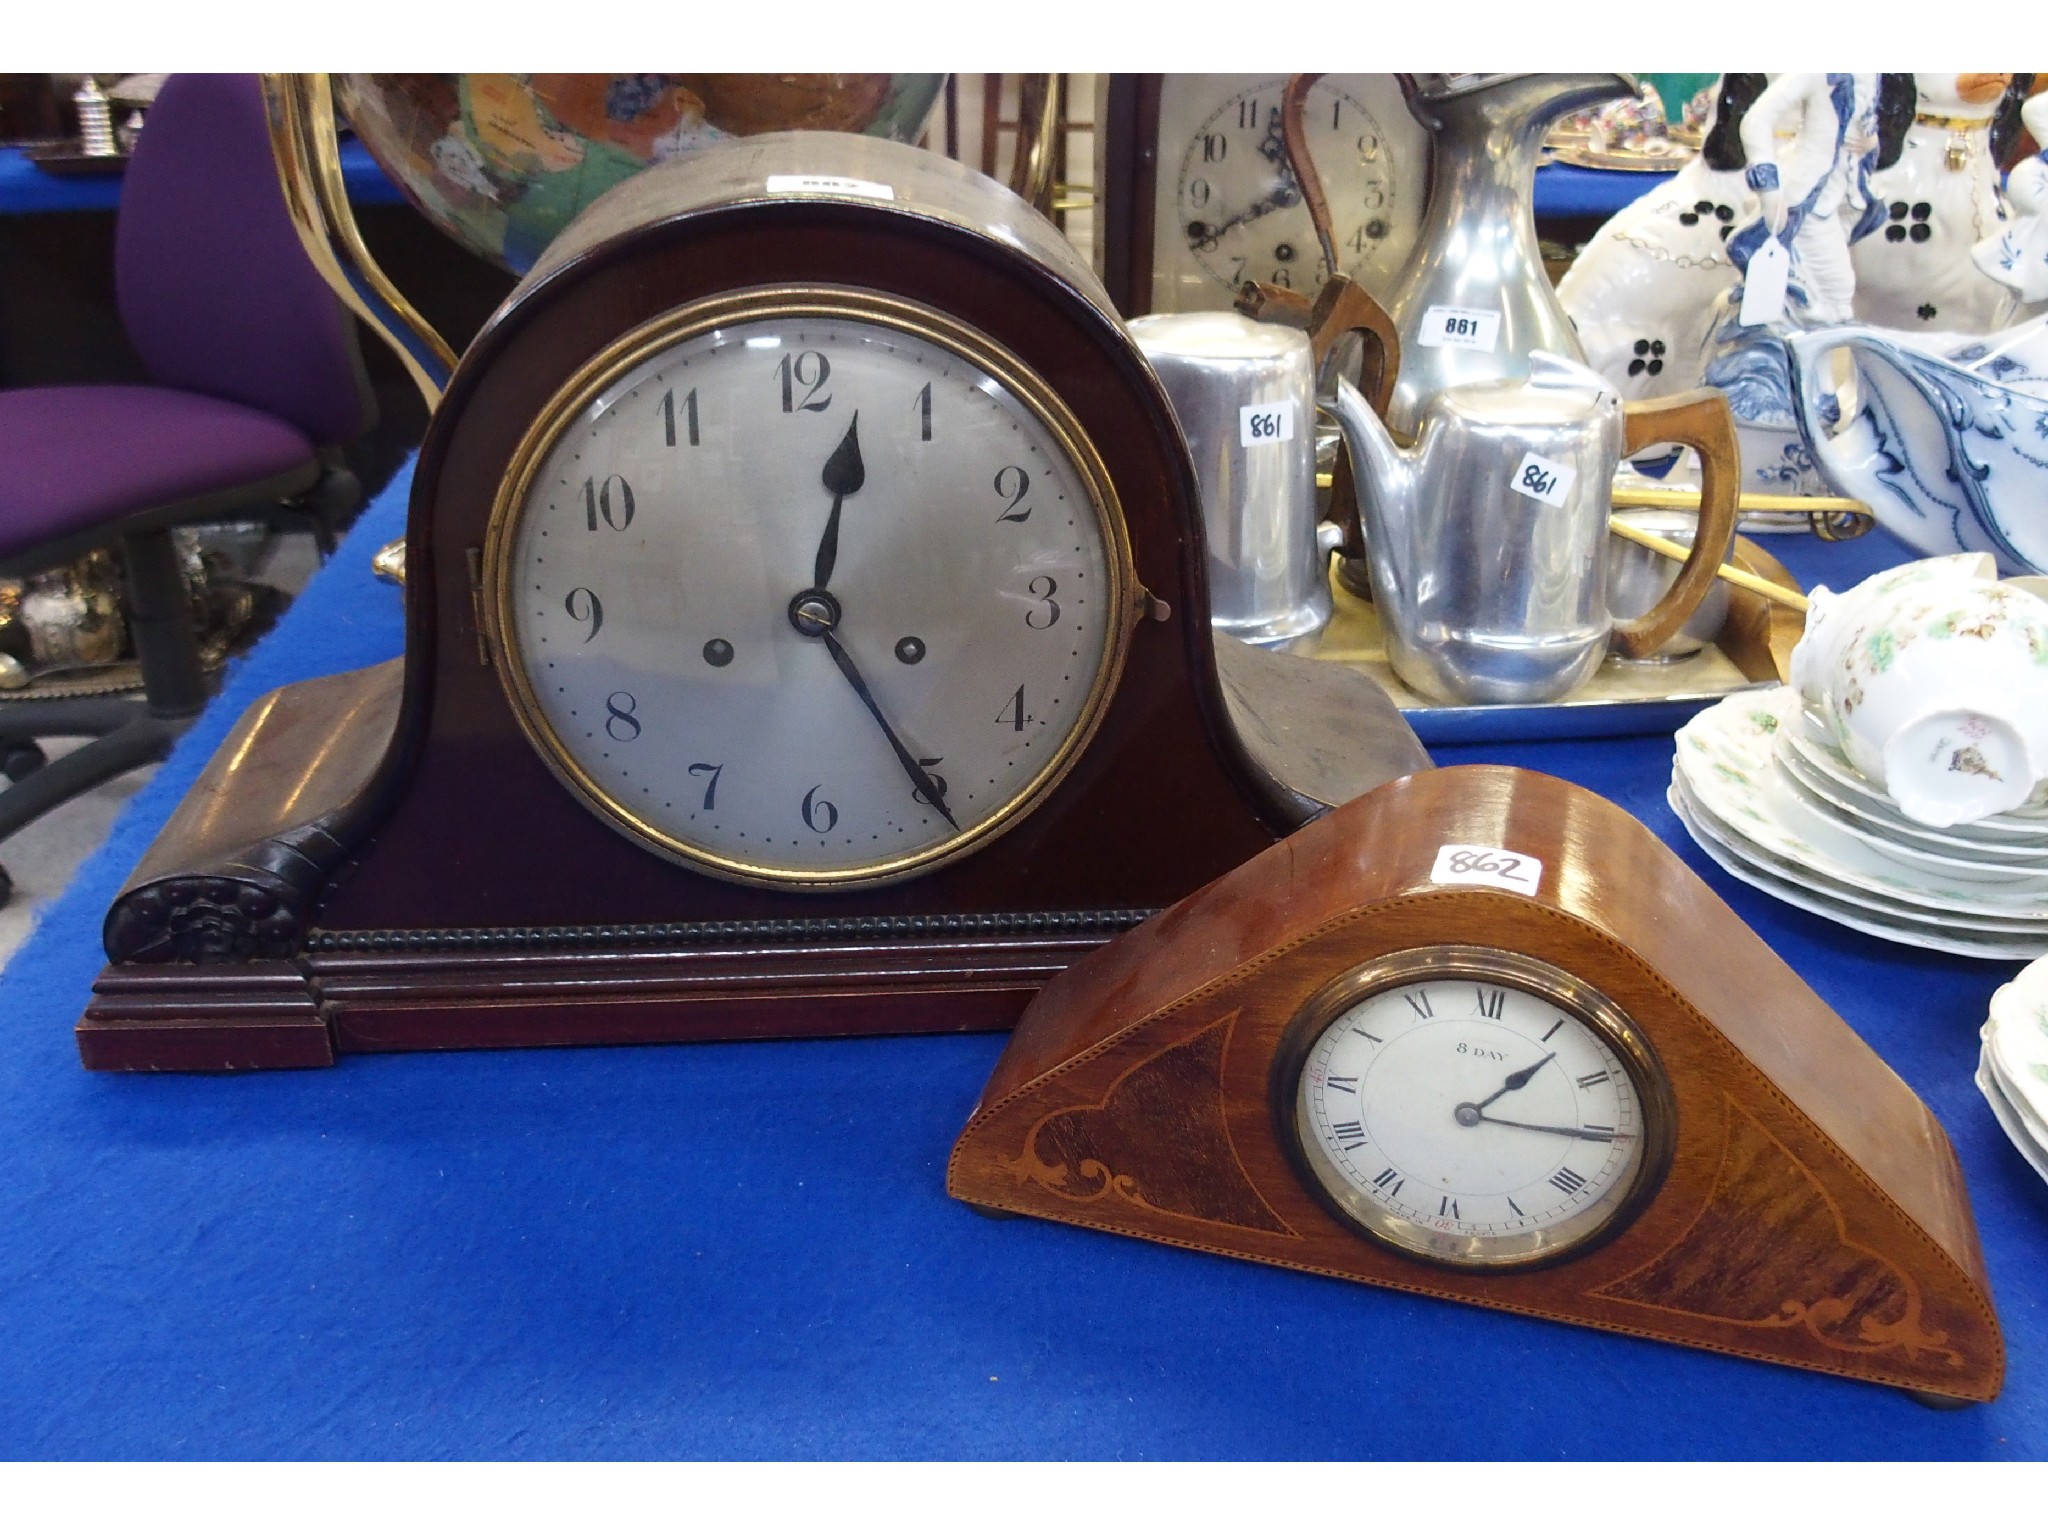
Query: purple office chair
(257, 384)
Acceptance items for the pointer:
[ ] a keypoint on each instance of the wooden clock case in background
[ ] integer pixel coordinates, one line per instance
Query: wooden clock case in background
(1813, 1213)
(379, 860)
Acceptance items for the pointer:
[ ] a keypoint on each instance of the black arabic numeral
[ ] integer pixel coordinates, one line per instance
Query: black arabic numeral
(1052, 609)
(1010, 514)
(1214, 147)
(924, 414)
(594, 614)
(615, 507)
(938, 780)
(1357, 240)
(814, 809)
(1282, 278)
(808, 371)
(1013, 712)
(668, 417)
(711, 787)
(1198, 193)
(1248, 112)
(1336, 114)
(620, 723)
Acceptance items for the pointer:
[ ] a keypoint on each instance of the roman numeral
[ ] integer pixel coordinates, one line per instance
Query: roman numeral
(1388, 1183)
(1350, 1135)
(1342, 1084)
(1448, 1207)
(1592, 1079)
(1375, 1039)
(1571, 1183)
(1419, 1001)
(1553, 1029)
(1491, 1003)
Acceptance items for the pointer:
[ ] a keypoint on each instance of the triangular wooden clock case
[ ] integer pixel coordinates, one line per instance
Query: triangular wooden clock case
(1812, 1211)
(381, 860)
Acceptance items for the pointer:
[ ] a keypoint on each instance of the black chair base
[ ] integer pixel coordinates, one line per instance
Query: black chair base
(127, 734)
(319, 496)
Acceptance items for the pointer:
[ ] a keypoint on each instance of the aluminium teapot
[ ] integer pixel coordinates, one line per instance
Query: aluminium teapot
(1487, 540)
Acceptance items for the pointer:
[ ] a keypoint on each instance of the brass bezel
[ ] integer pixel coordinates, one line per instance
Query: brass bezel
(819, 302)
(1474, 962)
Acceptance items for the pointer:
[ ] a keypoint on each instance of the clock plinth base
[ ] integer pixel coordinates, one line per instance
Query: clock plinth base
(1813, 1213)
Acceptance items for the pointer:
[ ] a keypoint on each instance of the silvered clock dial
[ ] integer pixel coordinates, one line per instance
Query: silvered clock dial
(1241, 215)
(1475, 1107)
(809, 589)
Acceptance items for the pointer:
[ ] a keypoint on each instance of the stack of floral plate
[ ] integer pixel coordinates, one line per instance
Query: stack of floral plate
(1773, 801)
(2012, 1074)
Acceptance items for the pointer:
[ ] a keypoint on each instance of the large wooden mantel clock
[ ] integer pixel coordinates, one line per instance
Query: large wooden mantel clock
(806, 634)
(1481, 1035)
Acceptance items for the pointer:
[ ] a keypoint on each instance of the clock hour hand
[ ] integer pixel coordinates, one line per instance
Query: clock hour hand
(1583, 1133)
(844, 475)
(918, 777)
(1515, 1080)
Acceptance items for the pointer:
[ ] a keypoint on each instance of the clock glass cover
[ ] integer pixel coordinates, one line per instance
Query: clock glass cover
(1474, 1107)
(1230, 211)
(808, 588)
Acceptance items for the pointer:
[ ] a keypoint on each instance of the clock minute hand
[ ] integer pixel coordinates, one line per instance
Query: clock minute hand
(1581, 1132)
(844, 475)
(911, 766)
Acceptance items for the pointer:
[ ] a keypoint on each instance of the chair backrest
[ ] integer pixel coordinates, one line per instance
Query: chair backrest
(214, 288)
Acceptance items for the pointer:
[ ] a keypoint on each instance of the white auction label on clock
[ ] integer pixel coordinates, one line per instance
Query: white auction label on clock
(1443, 325)
(845, 186)
(1471, 864)
(1545, 479)
(1265, 423)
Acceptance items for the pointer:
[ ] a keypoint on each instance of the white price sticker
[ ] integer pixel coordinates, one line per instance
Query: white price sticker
(1266, 423)
(842, 186)
(1763, 285)
(1545, 479)
(1444, 326)
(1470, 864)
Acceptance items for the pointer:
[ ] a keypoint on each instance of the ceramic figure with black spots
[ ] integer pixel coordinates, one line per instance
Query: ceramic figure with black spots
(1643, 289)
(1938, 196)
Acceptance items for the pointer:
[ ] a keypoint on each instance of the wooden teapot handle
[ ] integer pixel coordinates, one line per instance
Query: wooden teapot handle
(1699, 419)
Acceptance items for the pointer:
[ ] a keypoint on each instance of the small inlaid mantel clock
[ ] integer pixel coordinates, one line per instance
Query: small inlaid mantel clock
(1481, 1035)
(806, 634)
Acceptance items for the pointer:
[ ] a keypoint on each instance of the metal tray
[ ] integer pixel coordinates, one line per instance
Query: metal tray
(1623, 699)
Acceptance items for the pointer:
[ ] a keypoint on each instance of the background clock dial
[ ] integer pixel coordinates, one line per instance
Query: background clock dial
(1473, 1118)
(1240, 215)
(813, 593)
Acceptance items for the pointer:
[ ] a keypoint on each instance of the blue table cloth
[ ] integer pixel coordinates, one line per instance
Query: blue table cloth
(1576, 192)
(26, 188)
(747, 1250)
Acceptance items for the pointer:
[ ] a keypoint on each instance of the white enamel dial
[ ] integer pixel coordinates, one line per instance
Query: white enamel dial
(1472, 1119)
(812, 596)
(1241, 216)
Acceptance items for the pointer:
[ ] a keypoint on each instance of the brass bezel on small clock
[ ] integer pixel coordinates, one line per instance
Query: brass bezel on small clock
(820, 302)
(1477, 963)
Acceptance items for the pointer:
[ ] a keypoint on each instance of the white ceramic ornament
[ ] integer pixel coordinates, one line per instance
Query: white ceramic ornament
(1937, 202)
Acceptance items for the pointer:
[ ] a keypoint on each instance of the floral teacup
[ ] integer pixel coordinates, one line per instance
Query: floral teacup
(1934, 680)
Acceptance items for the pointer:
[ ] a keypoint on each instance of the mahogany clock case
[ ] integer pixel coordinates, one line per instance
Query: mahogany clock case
(1813, 1213)
(427, 882)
